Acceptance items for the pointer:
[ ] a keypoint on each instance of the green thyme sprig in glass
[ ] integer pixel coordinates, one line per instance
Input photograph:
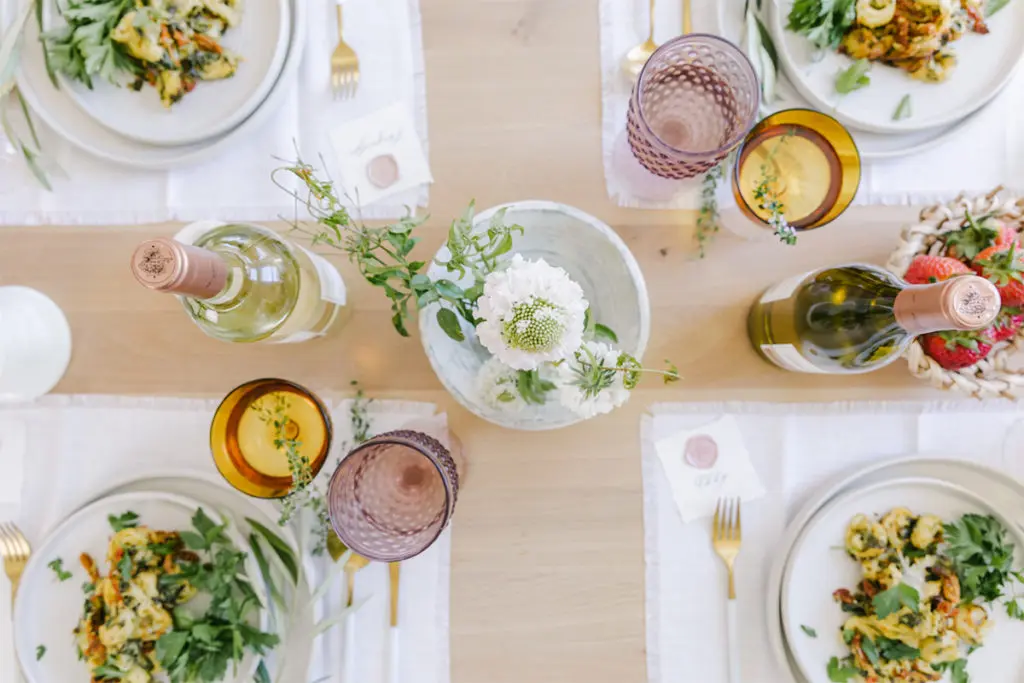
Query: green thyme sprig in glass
(303, 492)
(767, 195)
(708, 219)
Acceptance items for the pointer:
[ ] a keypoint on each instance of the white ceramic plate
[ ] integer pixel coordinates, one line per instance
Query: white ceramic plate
(47, 610)
(870, 145)
(986, 64)
(261, 40)
(818, 565)
(59, 111)
(594, 256)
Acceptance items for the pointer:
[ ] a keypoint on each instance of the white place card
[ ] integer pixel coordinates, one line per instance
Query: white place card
(379, 155)
(705, 464)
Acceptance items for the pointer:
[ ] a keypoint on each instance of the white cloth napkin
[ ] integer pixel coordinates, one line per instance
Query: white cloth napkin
(795, 448)
(76, 444)
(985, 153)
(386, 35)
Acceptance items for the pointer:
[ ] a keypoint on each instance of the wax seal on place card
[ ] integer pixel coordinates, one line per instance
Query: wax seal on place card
(701, 452)
(379, 155)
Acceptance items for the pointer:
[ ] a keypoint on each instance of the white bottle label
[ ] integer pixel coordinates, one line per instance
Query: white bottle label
(788, 358)
(784, 289)
(332, 287)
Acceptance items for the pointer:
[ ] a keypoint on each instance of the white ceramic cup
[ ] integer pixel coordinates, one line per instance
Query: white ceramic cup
(35, 344)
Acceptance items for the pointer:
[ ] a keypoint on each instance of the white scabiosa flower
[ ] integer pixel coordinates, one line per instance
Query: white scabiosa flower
(589, 383)
(531, 313)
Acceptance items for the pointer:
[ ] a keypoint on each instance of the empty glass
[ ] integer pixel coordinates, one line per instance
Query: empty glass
(392, 496)
(695, 100)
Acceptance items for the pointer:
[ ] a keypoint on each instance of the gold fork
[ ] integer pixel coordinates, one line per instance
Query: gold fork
(15, 549)
(726, 536)
(344, 65)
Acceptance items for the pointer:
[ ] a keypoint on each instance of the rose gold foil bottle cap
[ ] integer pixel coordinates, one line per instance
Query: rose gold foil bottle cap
(167, 265)
(966, 302)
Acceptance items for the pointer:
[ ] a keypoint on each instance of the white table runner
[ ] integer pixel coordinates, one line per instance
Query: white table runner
(74, 445)
(795, 448)
(387, 36)
(988, 151)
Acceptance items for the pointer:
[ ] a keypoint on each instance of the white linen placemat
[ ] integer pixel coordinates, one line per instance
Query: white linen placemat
(985, 153)
(387, 36)
(795, 448)
(74, 445)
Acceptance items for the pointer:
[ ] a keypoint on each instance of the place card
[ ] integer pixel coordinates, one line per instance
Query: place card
(706, 464)
(379, 155)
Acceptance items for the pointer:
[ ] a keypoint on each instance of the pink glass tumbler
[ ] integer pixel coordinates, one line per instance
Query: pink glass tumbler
(695, 100)
(392, 496)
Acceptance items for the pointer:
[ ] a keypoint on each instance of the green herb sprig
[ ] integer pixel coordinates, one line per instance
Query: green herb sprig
(767, 195)
(853, 78)
(983, 558)
(708, 218)
(824, 22)
(83, 49)
(57, 566)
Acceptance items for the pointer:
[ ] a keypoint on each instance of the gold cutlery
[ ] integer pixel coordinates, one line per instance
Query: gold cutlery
(687, 20)
(394, 569)
(352, 565)
(726, 536)
(638, 56)
(15, 549)
(344, 65)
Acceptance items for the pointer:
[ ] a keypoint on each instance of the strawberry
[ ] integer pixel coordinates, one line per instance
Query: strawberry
(1006, 326)
(955, 350)
(976, 235)
(1003, 267)
(925, 269)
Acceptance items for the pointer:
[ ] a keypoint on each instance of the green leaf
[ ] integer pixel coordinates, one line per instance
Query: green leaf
(449, 322)
(449, 289)
(994, 6)
(894, 650)
(894, 599)
(532, 388)
(129, 520)
(40, 651)
(1014, 611)
(169, 646)
(957, 669)
(848, 635)
(870, 650)
(58, 568)
(280, 548)
(811, 633)
(853, 78)
(262, 675)
(767, 42)
(124, 568)
(606, 333)
(824, 22)
(841, 671)
(903, 110)
(193, 541)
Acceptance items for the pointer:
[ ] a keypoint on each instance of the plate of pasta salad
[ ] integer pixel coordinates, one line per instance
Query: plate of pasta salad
(907, 581)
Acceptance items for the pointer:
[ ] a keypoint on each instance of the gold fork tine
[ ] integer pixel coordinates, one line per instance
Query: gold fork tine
(6, 547)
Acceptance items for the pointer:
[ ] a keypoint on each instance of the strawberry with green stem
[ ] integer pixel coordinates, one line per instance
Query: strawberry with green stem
(977, 234)
(956, 350)
(1003, 267)
(925, 269)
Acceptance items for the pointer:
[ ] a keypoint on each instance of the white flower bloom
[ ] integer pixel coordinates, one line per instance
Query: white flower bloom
(531, 313)
(587, 403)
(498, 385)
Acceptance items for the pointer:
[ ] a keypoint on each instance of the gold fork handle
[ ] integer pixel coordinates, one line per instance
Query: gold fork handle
(732, 584)
(340, 20)
(687, 20)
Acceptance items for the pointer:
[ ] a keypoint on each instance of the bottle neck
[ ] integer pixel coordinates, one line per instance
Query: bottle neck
(966, 302)
(166, 265)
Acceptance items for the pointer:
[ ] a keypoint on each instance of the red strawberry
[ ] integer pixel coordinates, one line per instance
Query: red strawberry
(956, 350)
(976, 235)
(925, 269)
(1006, 326)
(1003, 267)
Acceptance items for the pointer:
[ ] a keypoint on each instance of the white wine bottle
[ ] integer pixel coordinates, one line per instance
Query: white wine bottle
(858, 318)
(244, 283)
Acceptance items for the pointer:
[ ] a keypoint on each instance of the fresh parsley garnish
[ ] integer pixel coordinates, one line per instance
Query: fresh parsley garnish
(40, 651)
(841, 670)
(870, 650)
(896, 598)
(128, 520)
(982, 556)
(124, 568)
(58, 568)
(83, 49)
(1013, 610)
(894, 650)
(957, 670)
(853, 78)
(811, 633)
(903, 110)
(994, 6)
(88, 588)
(824, 22)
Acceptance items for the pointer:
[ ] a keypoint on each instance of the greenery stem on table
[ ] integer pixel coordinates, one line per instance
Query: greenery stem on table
(708, 218)
(767, 194)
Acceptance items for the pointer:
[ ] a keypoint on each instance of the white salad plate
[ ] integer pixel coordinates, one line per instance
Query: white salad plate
(998, 489)
(48, 610)
(261, 41)
(819, 565)
(986, 63)
(57, 108)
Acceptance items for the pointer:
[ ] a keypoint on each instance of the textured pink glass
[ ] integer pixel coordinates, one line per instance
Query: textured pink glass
(392, 496)
(695, 100)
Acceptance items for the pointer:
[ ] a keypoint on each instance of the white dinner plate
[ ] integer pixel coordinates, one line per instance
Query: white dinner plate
(261, 39)
(59, 111)
(985, 65)
(47, 610)
(818, 565)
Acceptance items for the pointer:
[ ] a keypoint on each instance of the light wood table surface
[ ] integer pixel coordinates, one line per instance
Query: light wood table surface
(547, 581)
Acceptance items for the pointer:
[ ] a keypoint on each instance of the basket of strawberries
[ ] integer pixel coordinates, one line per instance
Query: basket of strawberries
(969, 235)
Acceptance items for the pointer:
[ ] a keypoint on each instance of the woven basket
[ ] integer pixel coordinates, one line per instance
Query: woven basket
(991, 377)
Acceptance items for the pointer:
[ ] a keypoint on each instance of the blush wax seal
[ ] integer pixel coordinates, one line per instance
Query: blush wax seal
(382, 170)
(701, 452)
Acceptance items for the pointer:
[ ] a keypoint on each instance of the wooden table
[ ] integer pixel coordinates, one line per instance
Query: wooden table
(547, 580)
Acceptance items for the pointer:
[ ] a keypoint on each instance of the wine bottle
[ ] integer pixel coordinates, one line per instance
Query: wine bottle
(244, 283)
(858, 318)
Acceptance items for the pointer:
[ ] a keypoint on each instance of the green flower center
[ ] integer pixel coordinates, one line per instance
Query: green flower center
(536, 326)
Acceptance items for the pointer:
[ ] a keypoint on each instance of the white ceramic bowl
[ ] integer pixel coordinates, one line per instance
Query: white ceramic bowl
(593, 255)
